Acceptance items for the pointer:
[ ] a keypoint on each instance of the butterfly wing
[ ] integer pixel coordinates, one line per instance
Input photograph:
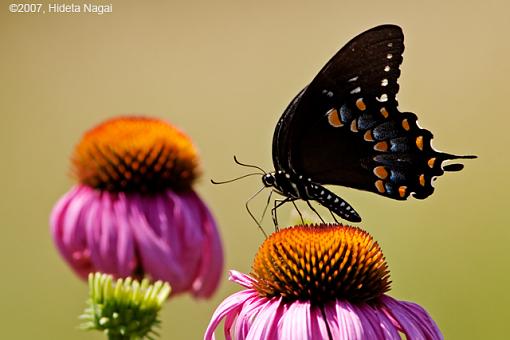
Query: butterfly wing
(345, 128)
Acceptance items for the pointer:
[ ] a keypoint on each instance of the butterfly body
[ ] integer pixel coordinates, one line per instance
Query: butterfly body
(294, 187)
(345, 129)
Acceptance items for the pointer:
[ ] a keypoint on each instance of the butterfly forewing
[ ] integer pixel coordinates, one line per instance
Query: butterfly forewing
(335, 82)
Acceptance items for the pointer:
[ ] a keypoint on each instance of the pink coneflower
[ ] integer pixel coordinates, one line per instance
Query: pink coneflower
(134, 212)
(319, 282)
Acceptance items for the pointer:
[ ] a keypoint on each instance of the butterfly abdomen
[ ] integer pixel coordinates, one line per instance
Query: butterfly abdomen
(333, 202)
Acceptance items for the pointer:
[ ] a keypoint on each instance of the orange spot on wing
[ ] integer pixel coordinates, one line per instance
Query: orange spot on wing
(381, 172)
(422, 180)
(368, 136)
(334, 118)
(379, 186)
(384, 112)
(402, 191)
(431, 162)
(419, 142)
(360, 104)
(381, 146)
(354, 126)
(405, 125)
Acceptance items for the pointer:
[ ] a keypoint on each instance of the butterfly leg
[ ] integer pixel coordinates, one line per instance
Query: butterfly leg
(334, 218)
(315, 211)
(265, 208)
(251, 214)
(299, 212)
(278, 203)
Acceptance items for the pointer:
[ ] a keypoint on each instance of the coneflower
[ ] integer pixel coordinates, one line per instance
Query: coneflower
(319, 282)
(134, 212)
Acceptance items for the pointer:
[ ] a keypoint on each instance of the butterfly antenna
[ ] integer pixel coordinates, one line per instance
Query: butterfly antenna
(235, 179)
(249, 165)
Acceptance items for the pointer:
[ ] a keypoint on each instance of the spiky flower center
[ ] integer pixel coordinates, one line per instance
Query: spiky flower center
(135, 154)
(321, 263)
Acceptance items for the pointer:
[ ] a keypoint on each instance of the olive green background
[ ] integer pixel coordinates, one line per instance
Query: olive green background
(224, 72)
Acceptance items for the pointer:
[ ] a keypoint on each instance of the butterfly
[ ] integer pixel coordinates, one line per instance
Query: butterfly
(345, 129)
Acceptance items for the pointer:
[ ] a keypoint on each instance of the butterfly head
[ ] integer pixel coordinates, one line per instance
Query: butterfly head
(269, 179)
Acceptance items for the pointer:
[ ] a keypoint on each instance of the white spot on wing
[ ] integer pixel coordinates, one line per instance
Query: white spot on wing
(353, 79)
(383, 98)
(384, 82)
(389, 56)
(356, 90)
(387, 68)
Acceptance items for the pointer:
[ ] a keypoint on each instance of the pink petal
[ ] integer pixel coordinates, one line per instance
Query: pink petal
(249, 312)
(68, 232)
(373, 325)
(349, 323)
(241, 278)
(318, 324)
(230, 306)
(172, 237)
(413, 324)
(265, 325)
(100, 235)
(211, 266)
(296, 323)
(385, 324)
(126, 257)
(157, 256)
(332, 320)
(57, 224)
(424, 318)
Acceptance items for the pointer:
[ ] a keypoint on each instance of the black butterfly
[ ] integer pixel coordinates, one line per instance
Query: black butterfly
(345, 128)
